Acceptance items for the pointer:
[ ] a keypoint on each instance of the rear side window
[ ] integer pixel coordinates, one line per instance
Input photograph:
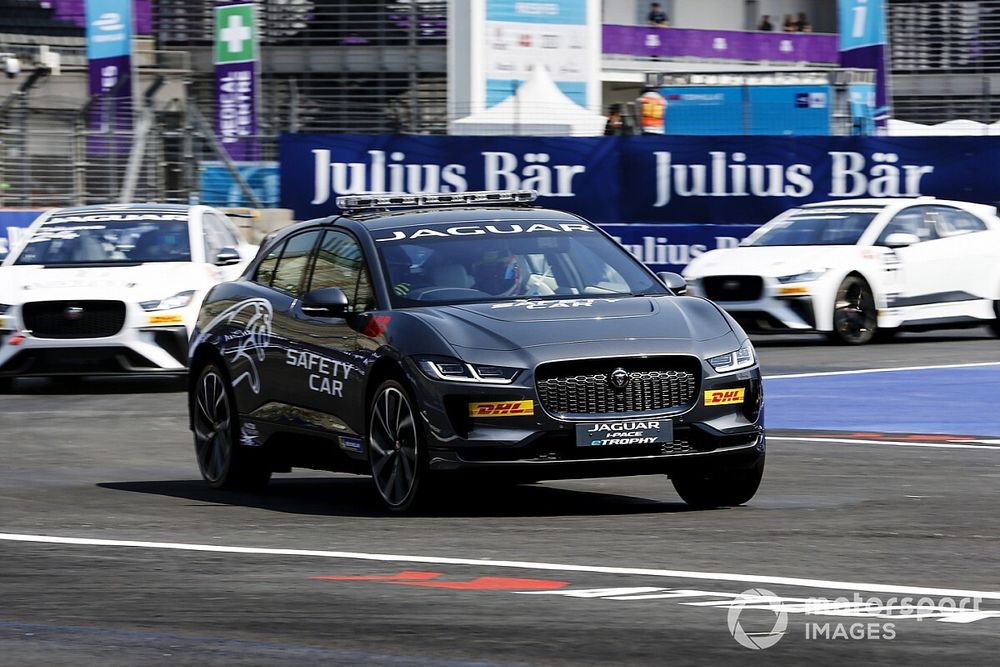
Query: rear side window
(265, 270)
(955, 221)
(293, 263)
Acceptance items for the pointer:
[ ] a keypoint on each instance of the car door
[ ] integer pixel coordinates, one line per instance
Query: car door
(284, 382)
(328, 346)
(970, 255)
(923, 265)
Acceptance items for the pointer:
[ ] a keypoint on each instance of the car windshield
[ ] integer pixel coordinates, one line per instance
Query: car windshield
(814, 226)
(470, 262)
(109, 239)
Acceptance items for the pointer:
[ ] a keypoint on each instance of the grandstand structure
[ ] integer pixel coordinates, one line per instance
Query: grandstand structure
(378, 66)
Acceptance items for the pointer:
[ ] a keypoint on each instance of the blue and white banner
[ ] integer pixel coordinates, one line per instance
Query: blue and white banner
(109, 60)
(863, 39)
(561, 35)
(693, 180)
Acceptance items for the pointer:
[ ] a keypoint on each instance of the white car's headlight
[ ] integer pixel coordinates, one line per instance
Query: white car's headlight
(802, 277)
(178, 300)
(745, 357)
(442, 368)
(4, 307)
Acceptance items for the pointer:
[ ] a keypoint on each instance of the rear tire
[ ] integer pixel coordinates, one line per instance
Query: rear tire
(855, 319)
(6, 385)
(995, 324)
(224, 463)
(722, 488)
(396, 450)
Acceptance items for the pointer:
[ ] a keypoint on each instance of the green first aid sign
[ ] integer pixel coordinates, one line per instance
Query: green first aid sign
(235, 34)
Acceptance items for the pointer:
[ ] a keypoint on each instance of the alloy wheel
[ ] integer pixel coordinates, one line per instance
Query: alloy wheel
(392, 446)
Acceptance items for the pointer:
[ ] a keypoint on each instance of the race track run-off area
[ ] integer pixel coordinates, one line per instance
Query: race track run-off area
(873, 538)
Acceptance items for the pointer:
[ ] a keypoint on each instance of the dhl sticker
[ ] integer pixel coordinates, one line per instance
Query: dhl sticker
(166, 319)
(724, 396)
(502, 409)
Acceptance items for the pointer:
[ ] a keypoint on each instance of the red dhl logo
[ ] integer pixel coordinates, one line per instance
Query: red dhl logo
(502, 409)
(724, 396)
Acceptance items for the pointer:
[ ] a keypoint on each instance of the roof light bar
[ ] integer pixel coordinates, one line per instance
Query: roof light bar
(356, 202)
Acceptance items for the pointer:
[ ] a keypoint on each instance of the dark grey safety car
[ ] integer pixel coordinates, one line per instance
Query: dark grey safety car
(472, 333)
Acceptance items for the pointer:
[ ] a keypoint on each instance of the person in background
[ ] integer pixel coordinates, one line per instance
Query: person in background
(657, 17)
(652, 107)
(616, 122)
(803, 24)
(765, 23)
(789, 25)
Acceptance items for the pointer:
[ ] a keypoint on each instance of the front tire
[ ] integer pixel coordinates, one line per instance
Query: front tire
(855, 319)
(995, 324)
(723, 488)
(224, 463)
(395, 446)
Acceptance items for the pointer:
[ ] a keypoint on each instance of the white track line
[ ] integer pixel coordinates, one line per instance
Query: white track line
(512, 564)
(864, 371)
(891, 443)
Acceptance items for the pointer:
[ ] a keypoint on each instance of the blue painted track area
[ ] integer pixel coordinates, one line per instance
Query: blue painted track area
(962, 401)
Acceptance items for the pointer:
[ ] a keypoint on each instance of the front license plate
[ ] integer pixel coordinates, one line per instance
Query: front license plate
(615, 433)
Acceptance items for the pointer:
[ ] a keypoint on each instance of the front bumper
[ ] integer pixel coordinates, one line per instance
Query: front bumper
(779, 307)
(544, 445)
(148, 342)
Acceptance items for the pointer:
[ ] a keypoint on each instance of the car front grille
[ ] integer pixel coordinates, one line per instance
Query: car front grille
(733, 288)
(73, 319)
(578, 388)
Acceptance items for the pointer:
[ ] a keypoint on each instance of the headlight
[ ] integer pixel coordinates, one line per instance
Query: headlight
(178, 300)
(4, 307)
(802, 277)
(745, 357)
(444, 368)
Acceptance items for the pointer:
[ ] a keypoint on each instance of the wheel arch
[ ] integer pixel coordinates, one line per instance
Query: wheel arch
(824, 306)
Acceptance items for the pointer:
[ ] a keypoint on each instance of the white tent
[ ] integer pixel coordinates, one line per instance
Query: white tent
(951, 128)
(538, 108)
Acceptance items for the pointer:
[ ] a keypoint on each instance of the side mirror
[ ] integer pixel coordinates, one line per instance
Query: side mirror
(325, 302)
(228, 257)
(901, 239)
(674, 282)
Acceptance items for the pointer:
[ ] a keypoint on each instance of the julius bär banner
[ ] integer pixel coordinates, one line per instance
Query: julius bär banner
(236, 78)
(692, 180)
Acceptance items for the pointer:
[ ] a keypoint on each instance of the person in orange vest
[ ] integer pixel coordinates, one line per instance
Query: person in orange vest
(652, 107)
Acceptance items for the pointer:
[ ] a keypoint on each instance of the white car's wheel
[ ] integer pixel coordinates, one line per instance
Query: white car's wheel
(855, 319)
(995, 324)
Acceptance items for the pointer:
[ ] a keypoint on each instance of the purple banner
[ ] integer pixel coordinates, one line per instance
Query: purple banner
(650, 42)
(236, 109)
(109, 61)
(74, 12)
(111, 105)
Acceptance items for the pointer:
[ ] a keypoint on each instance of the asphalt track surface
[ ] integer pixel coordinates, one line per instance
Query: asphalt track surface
(162, 570)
